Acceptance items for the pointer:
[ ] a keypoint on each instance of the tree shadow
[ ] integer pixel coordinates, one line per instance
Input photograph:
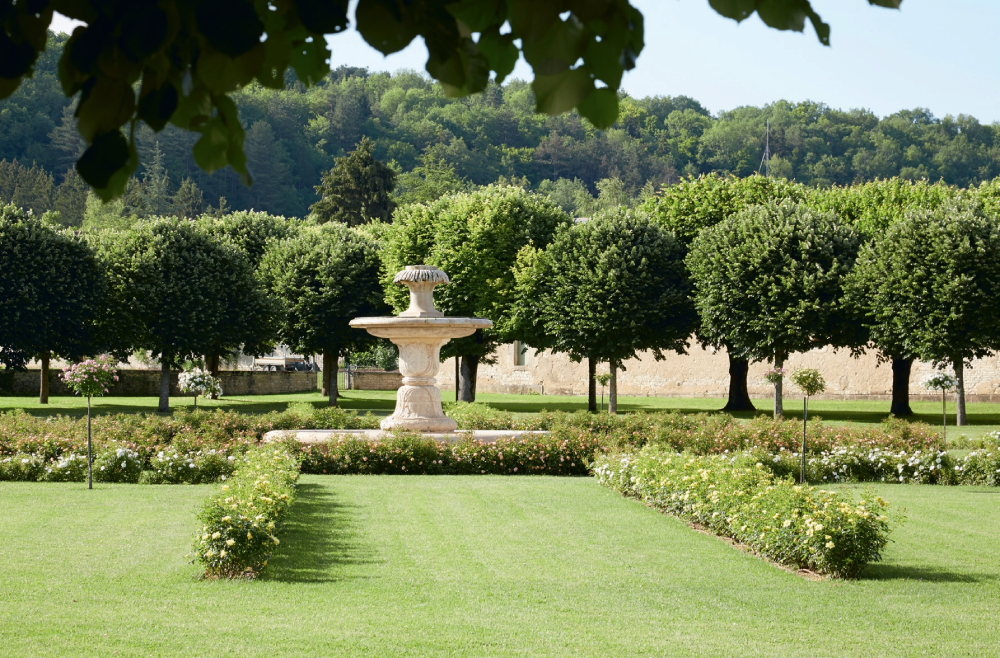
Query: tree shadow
(930, 574)
(317, 539)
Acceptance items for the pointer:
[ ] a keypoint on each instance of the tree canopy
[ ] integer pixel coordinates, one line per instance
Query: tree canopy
(323, 277)
(186, 59)
(929, 285)
(475, 238)
(609, 288)
(52, 293)
(769, 282)
(180, 294)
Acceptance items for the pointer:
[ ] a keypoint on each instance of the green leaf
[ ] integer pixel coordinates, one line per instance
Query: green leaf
(500, 52)
(107, 154)
(323, 16)
(479, 15)
(230, 26)
(384, 25)
(600, 107)
(562, 92)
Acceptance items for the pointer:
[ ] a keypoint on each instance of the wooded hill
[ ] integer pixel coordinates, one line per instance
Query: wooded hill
(440, 144)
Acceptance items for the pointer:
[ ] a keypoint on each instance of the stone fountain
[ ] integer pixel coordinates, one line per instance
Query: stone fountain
(420, 332)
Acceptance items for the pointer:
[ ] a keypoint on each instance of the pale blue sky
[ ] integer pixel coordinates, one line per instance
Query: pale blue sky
(942, 55)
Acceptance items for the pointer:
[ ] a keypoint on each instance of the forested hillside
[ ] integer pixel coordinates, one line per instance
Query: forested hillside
(440, 144)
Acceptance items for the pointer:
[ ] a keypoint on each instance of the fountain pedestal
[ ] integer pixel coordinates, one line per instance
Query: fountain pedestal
(420, 332)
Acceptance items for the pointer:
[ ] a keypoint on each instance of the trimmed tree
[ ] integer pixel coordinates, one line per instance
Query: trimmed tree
(694, 204)
(609, 288)
(770, 282)
(871, 208)
(357, 190)
(181, 294)
(52, 291)
(475, 238)
(324, 277)
(929, 285)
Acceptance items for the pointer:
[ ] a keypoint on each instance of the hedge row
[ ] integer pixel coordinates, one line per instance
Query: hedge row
(411, 454)
(800, 527)
(240, 522)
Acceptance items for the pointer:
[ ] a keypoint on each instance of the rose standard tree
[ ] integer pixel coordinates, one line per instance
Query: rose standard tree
(475, 238)
(770, 282)
(52, 292)
(609, 288)
(180, 294)
(324, 277)
(93, 377)
(694, 204)
(929, 286)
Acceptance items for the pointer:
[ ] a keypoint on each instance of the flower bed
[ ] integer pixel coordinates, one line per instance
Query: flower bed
(980, 467)
(796, 526)
(410, 454)
(241, 520)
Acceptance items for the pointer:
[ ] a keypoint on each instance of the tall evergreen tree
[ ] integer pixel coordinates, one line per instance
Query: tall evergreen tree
(71, 198)
(357, 190)
(28, 188)
(155, 190)
(188, 202)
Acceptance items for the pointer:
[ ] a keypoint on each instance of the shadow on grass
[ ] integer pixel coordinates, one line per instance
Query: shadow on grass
(317, 539)
(930, 574)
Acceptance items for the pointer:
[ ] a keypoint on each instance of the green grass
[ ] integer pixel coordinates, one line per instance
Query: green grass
(478, 566)
(982, 417)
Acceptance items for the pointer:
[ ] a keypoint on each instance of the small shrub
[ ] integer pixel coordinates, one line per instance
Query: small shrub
(979, 467)
(22, 468)
(240, 522)
(200, 467)
(70, 467)
(798, 526)
(118, 465)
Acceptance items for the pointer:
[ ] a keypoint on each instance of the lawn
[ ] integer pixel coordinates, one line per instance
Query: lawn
(478, 566)
(983, 417)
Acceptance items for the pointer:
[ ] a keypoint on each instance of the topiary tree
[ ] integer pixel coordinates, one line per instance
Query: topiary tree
(769, 282)
(929, 285)
(810, 382)
(357, 190)
(610, 288)
(475, 238)
(871, 208)
(252, 232)
(694, 204)
(52, 291)
(181, 294)
(323, 278)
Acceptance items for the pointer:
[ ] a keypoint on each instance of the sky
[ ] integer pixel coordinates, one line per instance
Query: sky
(935, 54)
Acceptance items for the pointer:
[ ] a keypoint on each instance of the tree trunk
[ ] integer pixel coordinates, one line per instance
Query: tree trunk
(901, 388)
(164, 385)
(739, 397)
(469, 370)
(327, 359)
(591, 386)
(960, 393)
(613, 389)
(213, 367)
(43, 388)
(332, 384)
(779, 409)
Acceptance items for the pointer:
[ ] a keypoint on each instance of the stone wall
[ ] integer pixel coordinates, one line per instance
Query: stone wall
(705, 373)
(146, 383)
(375, 380)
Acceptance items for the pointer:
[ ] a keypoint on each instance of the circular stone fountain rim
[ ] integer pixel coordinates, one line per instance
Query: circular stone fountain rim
(390, 321)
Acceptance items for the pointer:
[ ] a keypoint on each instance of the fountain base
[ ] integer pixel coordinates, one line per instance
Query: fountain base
(309, 437)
